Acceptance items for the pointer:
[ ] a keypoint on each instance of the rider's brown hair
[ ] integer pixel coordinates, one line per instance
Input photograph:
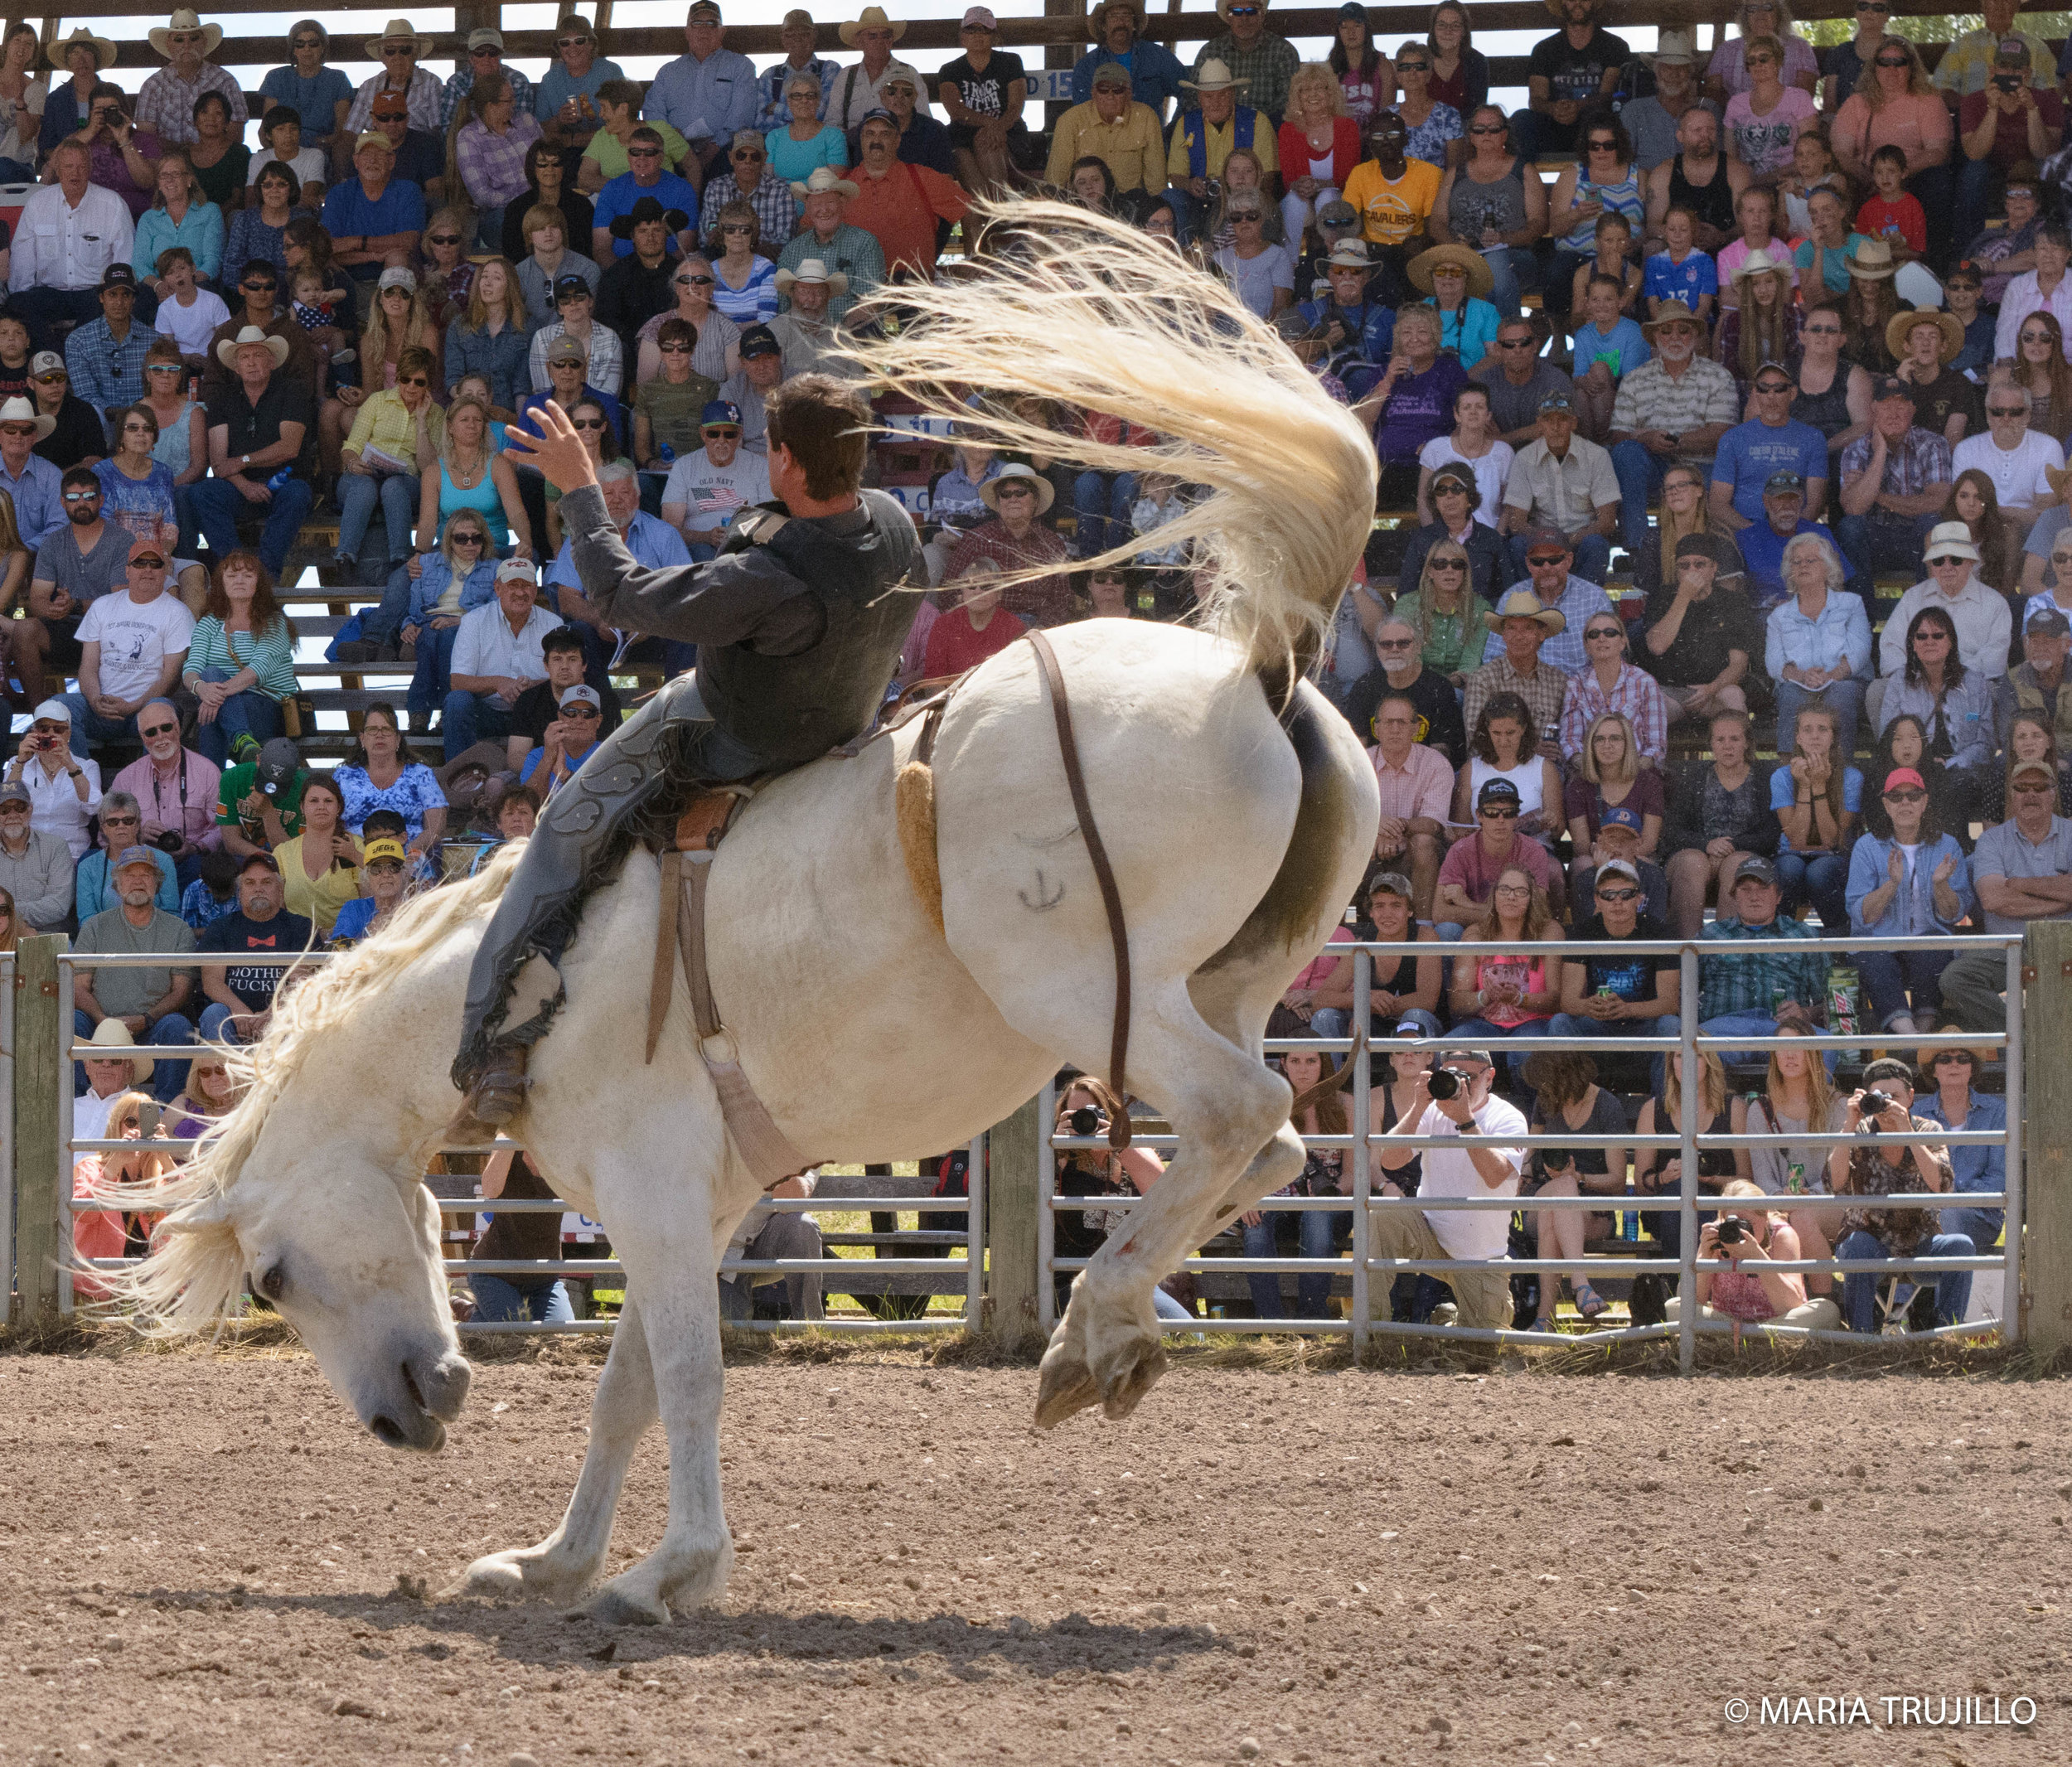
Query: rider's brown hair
(825, 423)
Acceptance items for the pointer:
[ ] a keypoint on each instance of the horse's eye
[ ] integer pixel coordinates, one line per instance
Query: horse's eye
(272, 1282)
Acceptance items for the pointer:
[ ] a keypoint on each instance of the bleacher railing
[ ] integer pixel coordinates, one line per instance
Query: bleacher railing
(1686, 1141)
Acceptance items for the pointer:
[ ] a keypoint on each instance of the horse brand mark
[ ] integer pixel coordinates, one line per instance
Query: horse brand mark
(1045, 899)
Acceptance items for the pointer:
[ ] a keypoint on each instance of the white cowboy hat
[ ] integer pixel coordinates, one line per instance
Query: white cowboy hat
(226, 351)
(398, 30)
(1523, 604)
(1674, 46)
(103, 50)
(825, 178)
(989, 492)
(1950, 539)
(186, 20)
(1216, 77)
(812, 270)
(23, 411)
(1758, 262)
(112, 1033)
(872, 17)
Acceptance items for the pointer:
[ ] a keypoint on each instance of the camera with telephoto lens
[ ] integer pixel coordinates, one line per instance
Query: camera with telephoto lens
(1730, 1230)
(1873, 1104)
(1087, 1120)
(1447, 1082)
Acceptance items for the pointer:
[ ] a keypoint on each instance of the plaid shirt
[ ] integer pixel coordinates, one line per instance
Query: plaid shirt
(1270, 64)
(1753, 984)
(104, 373)
(1918, 459)
(493, 167)
(1542, 695)
(775, 208)
(776, 114)
(460, 84)
(1634, 693)
(424, 100)
(166, 104)
(1042, 601)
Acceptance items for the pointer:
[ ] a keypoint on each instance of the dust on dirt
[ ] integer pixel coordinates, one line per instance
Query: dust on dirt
(203, 1560)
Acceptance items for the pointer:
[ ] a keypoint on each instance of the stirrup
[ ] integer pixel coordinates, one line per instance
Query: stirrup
(498, 1091)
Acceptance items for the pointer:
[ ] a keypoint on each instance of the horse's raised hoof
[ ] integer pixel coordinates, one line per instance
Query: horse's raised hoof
(617, 1607)
(1066, 1385)
(520, 1573)
(1133, 1374)
(495, 1575)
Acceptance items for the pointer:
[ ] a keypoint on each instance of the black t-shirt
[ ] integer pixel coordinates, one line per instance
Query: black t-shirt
(1724, 621)
(1439, 724)
(984, 94)
(1577, 75)
(535, 710)
(15, 383)
(79, 433)
(254, 428)
(1947, 393)
(1630, 977)
(255, 983)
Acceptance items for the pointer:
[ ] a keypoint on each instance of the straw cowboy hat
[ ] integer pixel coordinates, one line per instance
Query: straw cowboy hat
(989, 492)
(813, 270)
(103, 50)
(1900, 326)
(1674, 46)
(22, 411)
(1471, 263)
(1216, 77)
(1670, 313)
(1759, 263)
(1523, 604)
(112, 1033)
(186, 20)
(398, 31)
(825, 178)
(226, 351)
(1872, 260)
(1098, 16)
(872, 17)
(1351, 254)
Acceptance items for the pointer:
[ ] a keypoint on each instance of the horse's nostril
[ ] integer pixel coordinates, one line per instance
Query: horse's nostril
(389, 1430)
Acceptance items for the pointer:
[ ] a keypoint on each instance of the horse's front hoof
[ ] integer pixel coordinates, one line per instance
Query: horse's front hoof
(615, 1607)
(1066, 1385)
(1133, 1372)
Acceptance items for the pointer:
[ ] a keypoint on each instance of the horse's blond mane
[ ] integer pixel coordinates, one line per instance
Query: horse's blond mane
(1077, 308)
(195, 1275)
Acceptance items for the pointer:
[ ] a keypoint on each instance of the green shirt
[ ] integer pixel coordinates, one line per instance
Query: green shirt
(239, 782)
(672, 411)
(123, 991)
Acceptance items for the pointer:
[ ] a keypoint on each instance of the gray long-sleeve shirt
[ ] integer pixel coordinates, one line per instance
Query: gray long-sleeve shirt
(40, 881)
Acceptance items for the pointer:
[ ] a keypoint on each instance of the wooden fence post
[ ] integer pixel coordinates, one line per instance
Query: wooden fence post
(42, 1110)
(2046, 1256)
(1011, 1231)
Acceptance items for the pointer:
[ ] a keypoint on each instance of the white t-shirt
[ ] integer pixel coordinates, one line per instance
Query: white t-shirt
(1490, 472)
(136, 638)
(712, 495)
(2016, 473)
(191, 327)
(1449, 1172)
(308, 163)
(1256, 278)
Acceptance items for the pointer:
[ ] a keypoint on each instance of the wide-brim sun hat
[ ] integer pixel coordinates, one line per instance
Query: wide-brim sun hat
(1215, 76)
(1523, 604)
(186, 20)
(104, 49)
(398, 31)
(812, 270)
(1900, 326)
(989, 492)
(1670, 313)
(1759, 263)
(24, 411)
(112, 1033)
(1471, 263)
(1950, 539)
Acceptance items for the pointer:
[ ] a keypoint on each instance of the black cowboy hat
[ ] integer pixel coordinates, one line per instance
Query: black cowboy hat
(647, 209)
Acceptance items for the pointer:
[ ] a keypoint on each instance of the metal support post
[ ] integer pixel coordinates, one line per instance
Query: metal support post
(42, 1120)
(1691, 1088)
(1362, 1107)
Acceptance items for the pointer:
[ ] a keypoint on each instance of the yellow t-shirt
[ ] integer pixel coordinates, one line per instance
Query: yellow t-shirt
(1391, 213)
(319, 900)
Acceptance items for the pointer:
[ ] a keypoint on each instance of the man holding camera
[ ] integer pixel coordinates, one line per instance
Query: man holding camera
(1455, 1101)
(2010, 119)
(1893, 1157)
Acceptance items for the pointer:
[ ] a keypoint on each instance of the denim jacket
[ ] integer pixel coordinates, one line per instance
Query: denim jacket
(1912, 909)
(1968, 709)
(431, 584)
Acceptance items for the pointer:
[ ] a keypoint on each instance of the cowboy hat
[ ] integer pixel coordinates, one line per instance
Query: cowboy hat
(112, 1033)
(1216, 77)
(1950, 539)
(103, 50)
(1351, 254)
(1674, 46)
(1523, 604)
(1872, 260)
(1098, 16)
(1900, 326)
(1670, 313)
(22, 411)
(1471, 263)
(813, 270)
(1758, 262)
(825, 178)
(185, 20)
(226, 351)
(647, 209)
(989, 492)
(486, 758)
(870, 19)
(397, 30)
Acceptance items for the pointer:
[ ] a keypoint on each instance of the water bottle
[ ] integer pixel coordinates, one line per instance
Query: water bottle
(281, 477)
(669, 454)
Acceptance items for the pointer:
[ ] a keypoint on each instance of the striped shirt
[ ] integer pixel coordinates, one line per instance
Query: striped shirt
(492, 166)
(270, 655)
(1652, 397)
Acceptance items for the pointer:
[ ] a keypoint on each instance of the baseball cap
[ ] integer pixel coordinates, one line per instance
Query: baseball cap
(1705, 545)
(1394, 881)
(276, 764)
(397, 276)
(878, 114)
(1112, 74)
(1903, 775)
(372, 137)
(1782, 481)
(384, 848)
(2051, 623)
(704, 6)
(52, 711)
(2012, 52)
(1892, 387)
(134, 856)
(1496, 791)
(580, 695)
(45, 362)
(567, 349)
(390, 104)
(759, 340)
(14, 791)
(565, 286)
(981, 18)
(119, 275)
(484, 36)
(720, 411)
(143, 547)
(514, 570)
(1761, 869)
(2014, 772)
(261, 857)
(1620, 816)
(1624, 868)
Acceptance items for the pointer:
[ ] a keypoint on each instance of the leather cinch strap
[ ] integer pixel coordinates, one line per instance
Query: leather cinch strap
(1104, 874)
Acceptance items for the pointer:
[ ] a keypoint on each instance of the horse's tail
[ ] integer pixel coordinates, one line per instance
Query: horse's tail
(1070, 305)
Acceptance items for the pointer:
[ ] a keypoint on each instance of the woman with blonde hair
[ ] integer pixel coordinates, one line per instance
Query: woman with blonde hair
(1320, 145)
(1798, 1097)
(1610, 775)
(445, 273)
(111, 1178)
(399, 320)
(468, 474)
(490, 337)
(1507, 994)
(1658, 1171)
(1726, 75)
(1684, 511)
(1752, 1291)
(1894, 105)
(744, 277)
(1445, 612)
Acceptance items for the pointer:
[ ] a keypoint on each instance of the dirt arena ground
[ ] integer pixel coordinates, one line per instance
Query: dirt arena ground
(200, 1561)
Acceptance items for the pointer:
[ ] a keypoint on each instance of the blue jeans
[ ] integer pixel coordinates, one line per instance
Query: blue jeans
(1640, 473)
(1889, 976)
(358, 493)
(1480, 1031)
(1102, 501)
(1891, 543)
(470, 718)
(217, 506)
(1860, 1288)
(433, 682)
(169, 1078)
(88, 726)
(498, 1302)
(1167, 1307)
(1333, 1021)
(1980, 1226)
(216, 1026)
(1593, 558)
(1514, 272)
(1752, 1025)
(1319, 1239)
(380, 625)
(1820, 878)
(1844, 698)
(1577, 1024)
(248, 713)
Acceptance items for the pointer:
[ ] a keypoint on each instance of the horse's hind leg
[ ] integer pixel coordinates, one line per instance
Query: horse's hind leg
(566, 1562)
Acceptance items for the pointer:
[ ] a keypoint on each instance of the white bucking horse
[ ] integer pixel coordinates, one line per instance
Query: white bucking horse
(1237, 807)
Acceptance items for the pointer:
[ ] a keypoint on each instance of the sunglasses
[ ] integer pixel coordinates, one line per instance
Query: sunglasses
(737, 227)
(406, 48)
(1617, 895)
(2035, 337)
(118, 821)
(1545, 560)
(1500, 815)
(1015, 490)
(1602, 144)
(693, 281)
(156, 368)
(1412, 67)
(1774, 386)
(156, 730)
(1486, 129)
(95, 497)
(2032, 791)
(1448, 563)
(1928, 636)
(747, 158)
(2007, 410)
(443, 238)
(678, 348)
(722, 430)
(1394, 644)
(1603, 632)
(1945, 561)
(1821, 330)
(476, 539)
(1514, 343)
(570, 42)
(588, 423)
(643, 153)
(1906, 795)
(307, 43)
(1893, 61)
(579, 711)
(401, 380)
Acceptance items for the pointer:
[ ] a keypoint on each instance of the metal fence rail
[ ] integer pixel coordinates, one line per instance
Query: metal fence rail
(972, 1207)
(1364, 1203)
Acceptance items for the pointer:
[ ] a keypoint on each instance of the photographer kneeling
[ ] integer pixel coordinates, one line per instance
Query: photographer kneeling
(1088, 1109)
(1893, 1156)
(1456, 1101)
(1752, 1293)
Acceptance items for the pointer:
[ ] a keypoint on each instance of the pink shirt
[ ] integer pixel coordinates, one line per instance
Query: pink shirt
(1320, 971)
(1468, 866)
(1909, 122)
(1421, 786)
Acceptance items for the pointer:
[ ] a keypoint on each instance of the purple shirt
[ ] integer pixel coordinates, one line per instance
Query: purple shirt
(1419, 409)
